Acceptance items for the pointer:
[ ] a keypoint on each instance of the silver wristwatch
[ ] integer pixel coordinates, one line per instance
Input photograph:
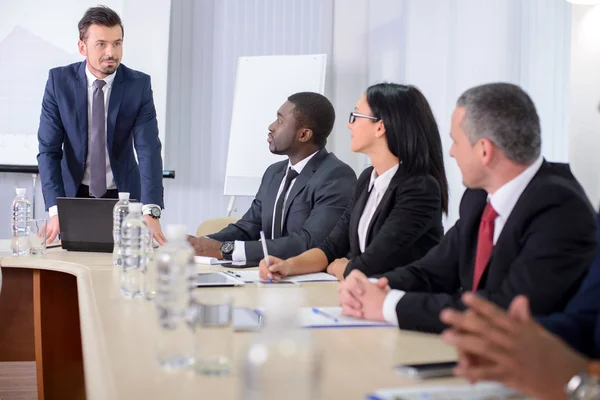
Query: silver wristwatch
(153, 211)
(583, 386)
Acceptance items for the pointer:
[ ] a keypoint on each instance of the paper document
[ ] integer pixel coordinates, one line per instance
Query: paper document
(248, 319)
(480, 391)
(323, 317)
(252, 276)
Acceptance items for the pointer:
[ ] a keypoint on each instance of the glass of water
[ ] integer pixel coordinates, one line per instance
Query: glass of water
(149, 270)
(211, 319)
(37, 236)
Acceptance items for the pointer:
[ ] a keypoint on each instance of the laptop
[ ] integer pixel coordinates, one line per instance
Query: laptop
(86, 224)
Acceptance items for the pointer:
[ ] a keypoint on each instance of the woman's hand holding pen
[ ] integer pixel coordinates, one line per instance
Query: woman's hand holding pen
(277, 269)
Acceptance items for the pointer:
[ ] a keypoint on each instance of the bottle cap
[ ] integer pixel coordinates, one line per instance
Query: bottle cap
(21, 191)
(123, 195)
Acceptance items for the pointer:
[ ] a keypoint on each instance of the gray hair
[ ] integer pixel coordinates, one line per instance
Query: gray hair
(504, 114)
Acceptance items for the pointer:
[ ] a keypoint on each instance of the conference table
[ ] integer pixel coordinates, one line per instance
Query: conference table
(64, 311)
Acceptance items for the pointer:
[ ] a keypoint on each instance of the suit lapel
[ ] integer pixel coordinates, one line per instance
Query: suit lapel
(269, 202)
(357, 211)
(114, 104)
(382, 205)
(81, 104)
(302, 180)
(521, 207)
(515, 218)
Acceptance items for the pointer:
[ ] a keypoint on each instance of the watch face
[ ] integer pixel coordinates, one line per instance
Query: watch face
(155, 212)
(227, 247)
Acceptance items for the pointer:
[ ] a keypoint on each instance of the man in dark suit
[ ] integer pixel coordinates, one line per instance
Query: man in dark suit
(538, 358)
(526, 226)
(93, 115)
(300, 199)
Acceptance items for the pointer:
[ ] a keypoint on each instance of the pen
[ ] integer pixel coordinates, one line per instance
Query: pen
(317, 311)
(264, 247)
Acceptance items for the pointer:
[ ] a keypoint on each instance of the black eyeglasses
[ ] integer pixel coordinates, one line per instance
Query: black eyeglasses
(354, 115)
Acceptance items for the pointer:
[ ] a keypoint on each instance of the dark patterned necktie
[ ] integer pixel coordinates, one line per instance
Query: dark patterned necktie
(291, 175)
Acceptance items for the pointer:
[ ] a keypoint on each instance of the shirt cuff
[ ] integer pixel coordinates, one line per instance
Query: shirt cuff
(53, 211)
(239, 251)
(389, 306)
(146, 208)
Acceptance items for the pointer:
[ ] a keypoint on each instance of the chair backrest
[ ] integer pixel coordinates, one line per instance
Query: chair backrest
(214, 225)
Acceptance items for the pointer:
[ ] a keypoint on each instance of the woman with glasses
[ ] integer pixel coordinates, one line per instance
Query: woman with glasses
(395, 215)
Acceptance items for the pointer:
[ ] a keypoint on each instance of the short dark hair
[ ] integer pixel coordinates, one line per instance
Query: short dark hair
(100, 15)
(313, 111)
(411, 131)
(504, 114)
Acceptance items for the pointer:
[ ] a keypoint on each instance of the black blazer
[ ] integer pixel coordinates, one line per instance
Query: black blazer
(543, 252)
(316, 201)
(579, 324)
(407, 223)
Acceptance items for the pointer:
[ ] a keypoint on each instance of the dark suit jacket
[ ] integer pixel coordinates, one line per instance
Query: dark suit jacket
(543, 252)
(406, 225)
(131, 121)
(316, 201)
(579, 324)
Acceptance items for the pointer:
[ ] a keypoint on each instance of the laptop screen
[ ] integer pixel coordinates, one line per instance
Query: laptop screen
(86, 224)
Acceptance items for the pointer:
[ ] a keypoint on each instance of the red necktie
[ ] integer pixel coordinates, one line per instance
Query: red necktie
(485, 243)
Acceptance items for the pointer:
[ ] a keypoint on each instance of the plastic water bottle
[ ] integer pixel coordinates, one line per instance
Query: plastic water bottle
(120, 211)
(174, 268)
(134, 251)
(21, 215)
(283, 361)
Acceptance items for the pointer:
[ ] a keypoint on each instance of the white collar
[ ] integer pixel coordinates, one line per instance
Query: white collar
(300, 164)
(504, 199)
(381, 182)
(91, 78)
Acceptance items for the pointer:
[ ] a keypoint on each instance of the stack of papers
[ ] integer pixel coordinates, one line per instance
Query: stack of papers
(480, 391)
(252, 276)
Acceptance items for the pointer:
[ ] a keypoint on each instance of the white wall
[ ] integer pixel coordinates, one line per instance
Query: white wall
(447, 46)
(584, 124)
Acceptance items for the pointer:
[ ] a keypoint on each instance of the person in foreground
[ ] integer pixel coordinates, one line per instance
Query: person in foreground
(514, 349)
(537, 357)
(300, 199)
(395, 215)
(93, 115)
(525, 227)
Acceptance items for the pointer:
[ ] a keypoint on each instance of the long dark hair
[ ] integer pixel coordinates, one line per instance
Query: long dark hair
(411, 131)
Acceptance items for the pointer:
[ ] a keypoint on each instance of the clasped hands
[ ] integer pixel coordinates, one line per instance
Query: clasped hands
(361, 298)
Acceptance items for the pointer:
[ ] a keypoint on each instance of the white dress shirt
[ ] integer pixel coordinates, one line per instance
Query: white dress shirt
(239, 250)
(503, 201)
(110, 180)
(377, 188)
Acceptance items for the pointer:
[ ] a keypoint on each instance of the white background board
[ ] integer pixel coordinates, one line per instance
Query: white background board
(262, 85)
(37, 35)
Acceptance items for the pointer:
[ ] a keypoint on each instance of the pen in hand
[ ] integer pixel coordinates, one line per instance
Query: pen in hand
(266, 254)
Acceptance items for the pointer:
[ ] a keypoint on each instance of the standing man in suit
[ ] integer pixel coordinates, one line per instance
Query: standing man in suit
(93, 115)
(300, 199)
(548, 358)
(526, 226)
